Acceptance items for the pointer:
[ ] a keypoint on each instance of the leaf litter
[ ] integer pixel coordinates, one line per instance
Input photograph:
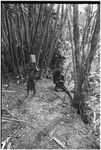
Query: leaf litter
(43, 121)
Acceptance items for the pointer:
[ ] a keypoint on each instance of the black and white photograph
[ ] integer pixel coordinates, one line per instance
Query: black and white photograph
(50, 75)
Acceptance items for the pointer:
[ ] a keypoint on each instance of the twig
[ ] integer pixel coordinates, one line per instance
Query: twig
(65, 96)
(8, 91)
(59, 142)
(9, 119)
(7, 112)
(5, 96)
(5, 142)
(28, 123)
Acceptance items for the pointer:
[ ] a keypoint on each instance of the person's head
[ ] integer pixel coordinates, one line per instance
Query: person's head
(57, 72)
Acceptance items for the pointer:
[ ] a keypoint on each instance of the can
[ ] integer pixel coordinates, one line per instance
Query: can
(32, 58)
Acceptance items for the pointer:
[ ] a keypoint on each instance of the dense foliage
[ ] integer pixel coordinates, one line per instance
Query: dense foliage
(60, 36)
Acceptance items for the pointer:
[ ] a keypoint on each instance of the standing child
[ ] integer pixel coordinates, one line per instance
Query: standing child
(31, 78)
(31, 71)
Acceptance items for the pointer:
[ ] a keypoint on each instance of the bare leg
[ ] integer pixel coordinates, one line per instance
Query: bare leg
(34, 91)
(27, 89)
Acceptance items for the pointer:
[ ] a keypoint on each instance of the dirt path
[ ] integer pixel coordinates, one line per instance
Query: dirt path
(46, 122)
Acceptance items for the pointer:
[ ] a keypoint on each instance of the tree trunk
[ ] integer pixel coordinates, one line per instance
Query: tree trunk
(20, 35)
(44, 32)
(82, 71)
(78, 86)
(32, 48)
(14, 47)
(9, 38)
(53, 39)
(72, 44)
(94, 40)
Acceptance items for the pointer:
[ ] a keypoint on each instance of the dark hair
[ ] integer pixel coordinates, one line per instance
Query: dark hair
(57, 72)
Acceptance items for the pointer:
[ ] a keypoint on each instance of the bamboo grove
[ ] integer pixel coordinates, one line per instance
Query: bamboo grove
(38, 29)
(30, 29)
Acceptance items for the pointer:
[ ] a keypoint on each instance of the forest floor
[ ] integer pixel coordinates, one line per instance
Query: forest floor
(45, 122)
